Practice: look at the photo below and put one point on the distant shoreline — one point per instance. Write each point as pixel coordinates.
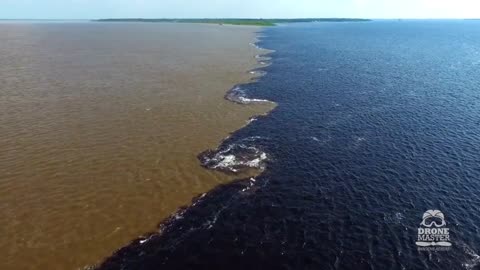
(254, 22)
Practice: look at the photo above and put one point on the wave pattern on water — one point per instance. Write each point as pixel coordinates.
(237, 94)
(234, 158)
(376, 123)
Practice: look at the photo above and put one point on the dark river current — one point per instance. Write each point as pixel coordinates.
(376, 124)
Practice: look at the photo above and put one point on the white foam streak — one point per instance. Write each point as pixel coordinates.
(236, 157)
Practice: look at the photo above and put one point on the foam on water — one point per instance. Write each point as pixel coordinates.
(263, 57)
(251, 120)
(234, 158)
(354, 158)
(258, 73)
(473, 258)
(238, 95)
(256, 46)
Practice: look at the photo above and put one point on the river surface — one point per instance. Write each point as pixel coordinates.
(100, 126)
(376, 123)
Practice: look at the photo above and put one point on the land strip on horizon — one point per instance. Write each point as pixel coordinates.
(255, 22)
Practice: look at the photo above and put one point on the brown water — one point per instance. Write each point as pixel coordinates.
(100, 125)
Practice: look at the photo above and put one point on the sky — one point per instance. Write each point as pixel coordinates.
(95, 9)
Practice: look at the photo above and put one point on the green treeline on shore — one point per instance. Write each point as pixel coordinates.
(256, 22)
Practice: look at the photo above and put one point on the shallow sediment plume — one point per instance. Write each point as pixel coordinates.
(111, 133)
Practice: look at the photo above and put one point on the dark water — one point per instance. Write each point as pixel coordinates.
(377, 123)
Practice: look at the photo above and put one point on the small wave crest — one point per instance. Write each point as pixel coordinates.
(257, 73)
(256, 46)
(473, 258)
(234, 158)
(262, 57)
(238, 95)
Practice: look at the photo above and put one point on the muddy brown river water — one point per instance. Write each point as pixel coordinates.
(100, 126)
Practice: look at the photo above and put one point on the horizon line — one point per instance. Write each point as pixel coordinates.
(227, 18)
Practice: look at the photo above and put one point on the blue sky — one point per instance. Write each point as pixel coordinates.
(91, 9)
